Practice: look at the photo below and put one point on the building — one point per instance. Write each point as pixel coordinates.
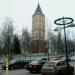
(38, 44)
(38, 24)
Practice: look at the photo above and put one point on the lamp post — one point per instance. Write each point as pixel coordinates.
(65, 22)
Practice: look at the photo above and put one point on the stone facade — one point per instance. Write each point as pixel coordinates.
(38, 24)
(38, 44)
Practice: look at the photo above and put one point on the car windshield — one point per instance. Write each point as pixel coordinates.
(49, 64)
(73, 57)
(34, 62)
(44, 59)
(12, 61)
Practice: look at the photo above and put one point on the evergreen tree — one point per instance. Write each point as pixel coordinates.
(16, 45)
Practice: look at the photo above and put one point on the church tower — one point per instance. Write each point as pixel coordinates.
(38, 24)
(38, 44)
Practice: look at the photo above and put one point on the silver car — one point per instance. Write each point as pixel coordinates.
(56, 67)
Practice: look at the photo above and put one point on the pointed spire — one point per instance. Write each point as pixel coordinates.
(38, 3)
(38, 11)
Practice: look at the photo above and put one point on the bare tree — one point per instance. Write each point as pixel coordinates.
(25, 41)
(7, 34)
(51, 40)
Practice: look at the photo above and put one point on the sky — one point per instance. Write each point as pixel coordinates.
(22, 10)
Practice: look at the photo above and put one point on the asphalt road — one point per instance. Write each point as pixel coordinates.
(20, 72)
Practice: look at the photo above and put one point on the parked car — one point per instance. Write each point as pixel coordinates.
(53, 58)
(35, 66)
(72, 58)
(64, 58)
(45, 59)
(56, 67)
(15, 64)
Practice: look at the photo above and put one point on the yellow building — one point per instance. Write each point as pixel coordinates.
(38, 24)
(38, 44)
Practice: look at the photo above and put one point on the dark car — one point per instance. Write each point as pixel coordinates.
(16, 64)
(35, 66)
(44, 59)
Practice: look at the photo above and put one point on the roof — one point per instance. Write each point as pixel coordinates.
(38, 11)
(56, 61)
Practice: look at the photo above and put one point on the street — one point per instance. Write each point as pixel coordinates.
(20, 72)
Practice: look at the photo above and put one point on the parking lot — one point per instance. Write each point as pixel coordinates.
(24, 72)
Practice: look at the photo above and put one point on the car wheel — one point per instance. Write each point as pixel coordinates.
(12, 67)
(38, 71)
(31, 71)
(71, 71)
(42, 73)
(60, 72)
(24, 66)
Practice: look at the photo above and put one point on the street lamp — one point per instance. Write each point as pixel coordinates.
(59, 28)
(66, 22)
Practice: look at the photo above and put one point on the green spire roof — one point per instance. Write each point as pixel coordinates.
(38, 11)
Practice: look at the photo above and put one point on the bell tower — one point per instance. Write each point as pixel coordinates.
(38, 24)
(38, 31)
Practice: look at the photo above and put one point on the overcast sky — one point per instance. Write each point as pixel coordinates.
(22, 10)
